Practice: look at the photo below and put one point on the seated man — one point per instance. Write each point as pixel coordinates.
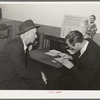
(14, 72)
(85, 73)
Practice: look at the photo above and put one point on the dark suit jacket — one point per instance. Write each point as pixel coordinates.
(12, 66)
(87, 69)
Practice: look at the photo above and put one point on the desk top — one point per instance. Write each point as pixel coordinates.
(39, 55)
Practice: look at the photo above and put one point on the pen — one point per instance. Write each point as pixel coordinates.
(68, 57)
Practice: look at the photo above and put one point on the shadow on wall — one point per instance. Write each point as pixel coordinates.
(97, 38)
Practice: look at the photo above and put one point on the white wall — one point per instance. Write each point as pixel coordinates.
(50, 13)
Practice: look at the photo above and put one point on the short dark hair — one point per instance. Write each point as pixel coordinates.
(94, 17)
(74, 37)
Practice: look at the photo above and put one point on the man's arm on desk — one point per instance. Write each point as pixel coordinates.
(68, 64)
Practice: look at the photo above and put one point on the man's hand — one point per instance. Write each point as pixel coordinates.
(44, 77)
(67, 64)
(71, 51)
(30, 48)
(68, 57)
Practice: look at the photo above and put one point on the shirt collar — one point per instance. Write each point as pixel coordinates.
(84, 48)
(25, 47)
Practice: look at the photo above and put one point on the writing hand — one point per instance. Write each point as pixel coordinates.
(68, 57)
(71, 51)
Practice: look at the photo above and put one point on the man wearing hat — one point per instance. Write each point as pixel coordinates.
(14, 73)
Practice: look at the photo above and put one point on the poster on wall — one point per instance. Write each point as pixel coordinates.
(72, 22)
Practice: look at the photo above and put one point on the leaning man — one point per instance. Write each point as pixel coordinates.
(84, 74)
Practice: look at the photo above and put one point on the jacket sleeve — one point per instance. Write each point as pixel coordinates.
(17, 57)
(86, 76)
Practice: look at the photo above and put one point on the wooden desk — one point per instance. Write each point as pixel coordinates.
(53, 71)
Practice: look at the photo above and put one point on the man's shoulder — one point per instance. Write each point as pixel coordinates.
(91, 41)
(93, 45)
(14, 43)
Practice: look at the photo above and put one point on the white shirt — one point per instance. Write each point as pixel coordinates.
(25, 47)
(84, 48)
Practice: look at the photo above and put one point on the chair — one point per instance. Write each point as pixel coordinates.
(4, 27)
(52, 42)
(5, 34)
(43, 41)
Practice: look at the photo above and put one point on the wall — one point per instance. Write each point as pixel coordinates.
(50, 14)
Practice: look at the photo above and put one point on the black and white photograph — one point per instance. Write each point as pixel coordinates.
(50, 46)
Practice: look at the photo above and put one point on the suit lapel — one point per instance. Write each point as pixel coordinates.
(20, 43)
(81, 60)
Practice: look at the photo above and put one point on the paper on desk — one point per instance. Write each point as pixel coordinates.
(51, 54)
(62, 54)
(55, 51)
(59, 60)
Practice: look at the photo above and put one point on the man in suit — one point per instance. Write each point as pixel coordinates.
(14, 71)
(85, 73)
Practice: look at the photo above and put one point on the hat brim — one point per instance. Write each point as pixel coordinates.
(36, 26)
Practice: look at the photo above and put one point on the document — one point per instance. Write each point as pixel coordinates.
(59, 60)
(53, 52)
(72, 22)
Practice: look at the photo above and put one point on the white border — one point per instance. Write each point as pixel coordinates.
(50, 94)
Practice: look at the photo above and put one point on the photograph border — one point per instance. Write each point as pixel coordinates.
(52, 94)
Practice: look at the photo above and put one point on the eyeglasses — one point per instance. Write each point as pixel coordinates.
(67, 47)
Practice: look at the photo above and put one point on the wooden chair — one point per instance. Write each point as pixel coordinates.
(52, 42)
(5, 34)
(4, 27)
